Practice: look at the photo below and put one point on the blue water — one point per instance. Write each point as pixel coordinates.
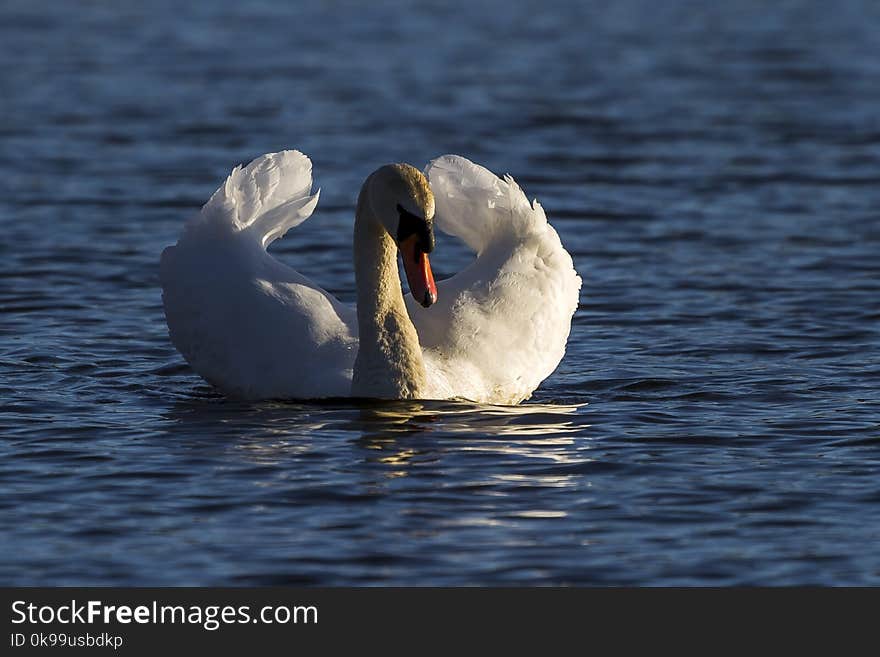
(714, 169)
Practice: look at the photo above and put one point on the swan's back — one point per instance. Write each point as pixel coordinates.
(245, 322)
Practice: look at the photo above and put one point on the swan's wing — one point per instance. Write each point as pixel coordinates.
(500, 326)
(245, 322)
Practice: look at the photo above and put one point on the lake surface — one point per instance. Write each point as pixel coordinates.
(713, 168)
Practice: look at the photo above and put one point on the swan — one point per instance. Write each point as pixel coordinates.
(256, 329)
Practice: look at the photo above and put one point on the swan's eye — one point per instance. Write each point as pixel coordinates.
(411, 224)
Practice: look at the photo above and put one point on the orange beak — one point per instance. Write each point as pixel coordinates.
(418, 271)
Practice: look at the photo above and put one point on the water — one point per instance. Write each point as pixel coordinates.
(712, 169)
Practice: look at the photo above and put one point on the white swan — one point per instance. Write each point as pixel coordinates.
(257, 329)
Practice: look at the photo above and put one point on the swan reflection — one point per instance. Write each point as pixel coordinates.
(394, 437)
(402, 433)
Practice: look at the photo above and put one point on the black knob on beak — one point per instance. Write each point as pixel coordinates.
(410, 224)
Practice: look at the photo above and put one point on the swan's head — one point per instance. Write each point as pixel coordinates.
(403, 202)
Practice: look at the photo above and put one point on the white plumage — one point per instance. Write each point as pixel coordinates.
(257, 329)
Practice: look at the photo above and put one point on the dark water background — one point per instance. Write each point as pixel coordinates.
(714, 168)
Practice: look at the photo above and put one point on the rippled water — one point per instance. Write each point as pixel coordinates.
(714, 170)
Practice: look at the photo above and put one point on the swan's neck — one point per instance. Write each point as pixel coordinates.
(389, 362)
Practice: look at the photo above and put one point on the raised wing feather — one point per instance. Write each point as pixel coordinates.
(247, 323)
(500, 326)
